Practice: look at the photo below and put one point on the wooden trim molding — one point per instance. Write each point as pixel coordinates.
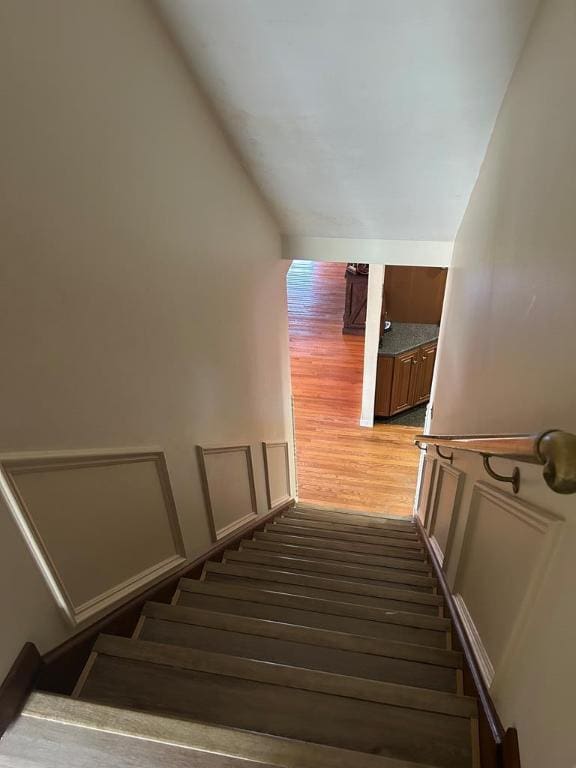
(442, 470)
(548, 527)
(498, 747)
(17, 465)
(484, 663)
(18, 683)
(63, 664)
(427, 492)
(203, 453)
(275, 503)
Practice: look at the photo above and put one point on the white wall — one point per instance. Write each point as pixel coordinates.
(506, 363)
(414, 253)
(142, 293)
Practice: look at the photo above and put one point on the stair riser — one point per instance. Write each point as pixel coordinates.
(409, 537)
(337, 556)
(300, 655)
(295, 589)
(393, 523)
(340, 535)
(330, 539)
(319, 581)
(331, 571)
(333, 621)
(411, 562)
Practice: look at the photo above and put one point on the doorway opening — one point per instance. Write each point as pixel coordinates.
(340, 463)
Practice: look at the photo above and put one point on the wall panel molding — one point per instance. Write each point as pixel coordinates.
(100, 524)
(443, 509)
(227, 474)
(277, 473)
(426, 489)
(481, 654)
(507, 547)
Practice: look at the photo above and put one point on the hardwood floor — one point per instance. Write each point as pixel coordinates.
(339, 462)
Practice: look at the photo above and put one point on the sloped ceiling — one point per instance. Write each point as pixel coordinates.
(357, 118)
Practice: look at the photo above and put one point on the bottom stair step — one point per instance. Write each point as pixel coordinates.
(395, 721)
(54, 731)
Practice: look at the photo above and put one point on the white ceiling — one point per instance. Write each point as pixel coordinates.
(357, 118)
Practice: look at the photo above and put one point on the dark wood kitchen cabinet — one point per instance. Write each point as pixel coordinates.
(425, 371)
(404, 380)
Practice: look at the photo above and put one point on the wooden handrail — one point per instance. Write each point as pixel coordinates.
(554, 449)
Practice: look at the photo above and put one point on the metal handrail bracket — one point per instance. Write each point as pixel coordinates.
(554, 449)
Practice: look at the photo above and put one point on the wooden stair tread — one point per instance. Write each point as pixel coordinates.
(307, 563)
(300, 583)
(284, 676)
(389, 521)
(281, 643)
(421, 725)
(259, 581)
(411, 562)
(311, 611)
(299, 654)
(366, 522)
(350, 526)
(324, 638)
(68, 726)
(340, 532)
(350, 542)
(338, 556)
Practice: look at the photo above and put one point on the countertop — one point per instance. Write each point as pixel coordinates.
(403, 337)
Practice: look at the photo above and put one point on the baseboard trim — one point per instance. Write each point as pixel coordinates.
(18, 683)
(480, 652)
(437, 551)
(498, 746)
(63, 664)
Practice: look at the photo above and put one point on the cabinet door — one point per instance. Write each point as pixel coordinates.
(405, 366)
(356, 298)
(425, 370)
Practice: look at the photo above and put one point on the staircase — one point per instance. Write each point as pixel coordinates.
(321, 641)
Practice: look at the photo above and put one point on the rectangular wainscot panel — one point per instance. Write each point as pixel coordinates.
(507, 547)
(100, 525)
(229, 491)
(277, 470)
(425, 492)
(443, 509)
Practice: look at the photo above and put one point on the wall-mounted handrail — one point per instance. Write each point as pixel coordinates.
(554, 449)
